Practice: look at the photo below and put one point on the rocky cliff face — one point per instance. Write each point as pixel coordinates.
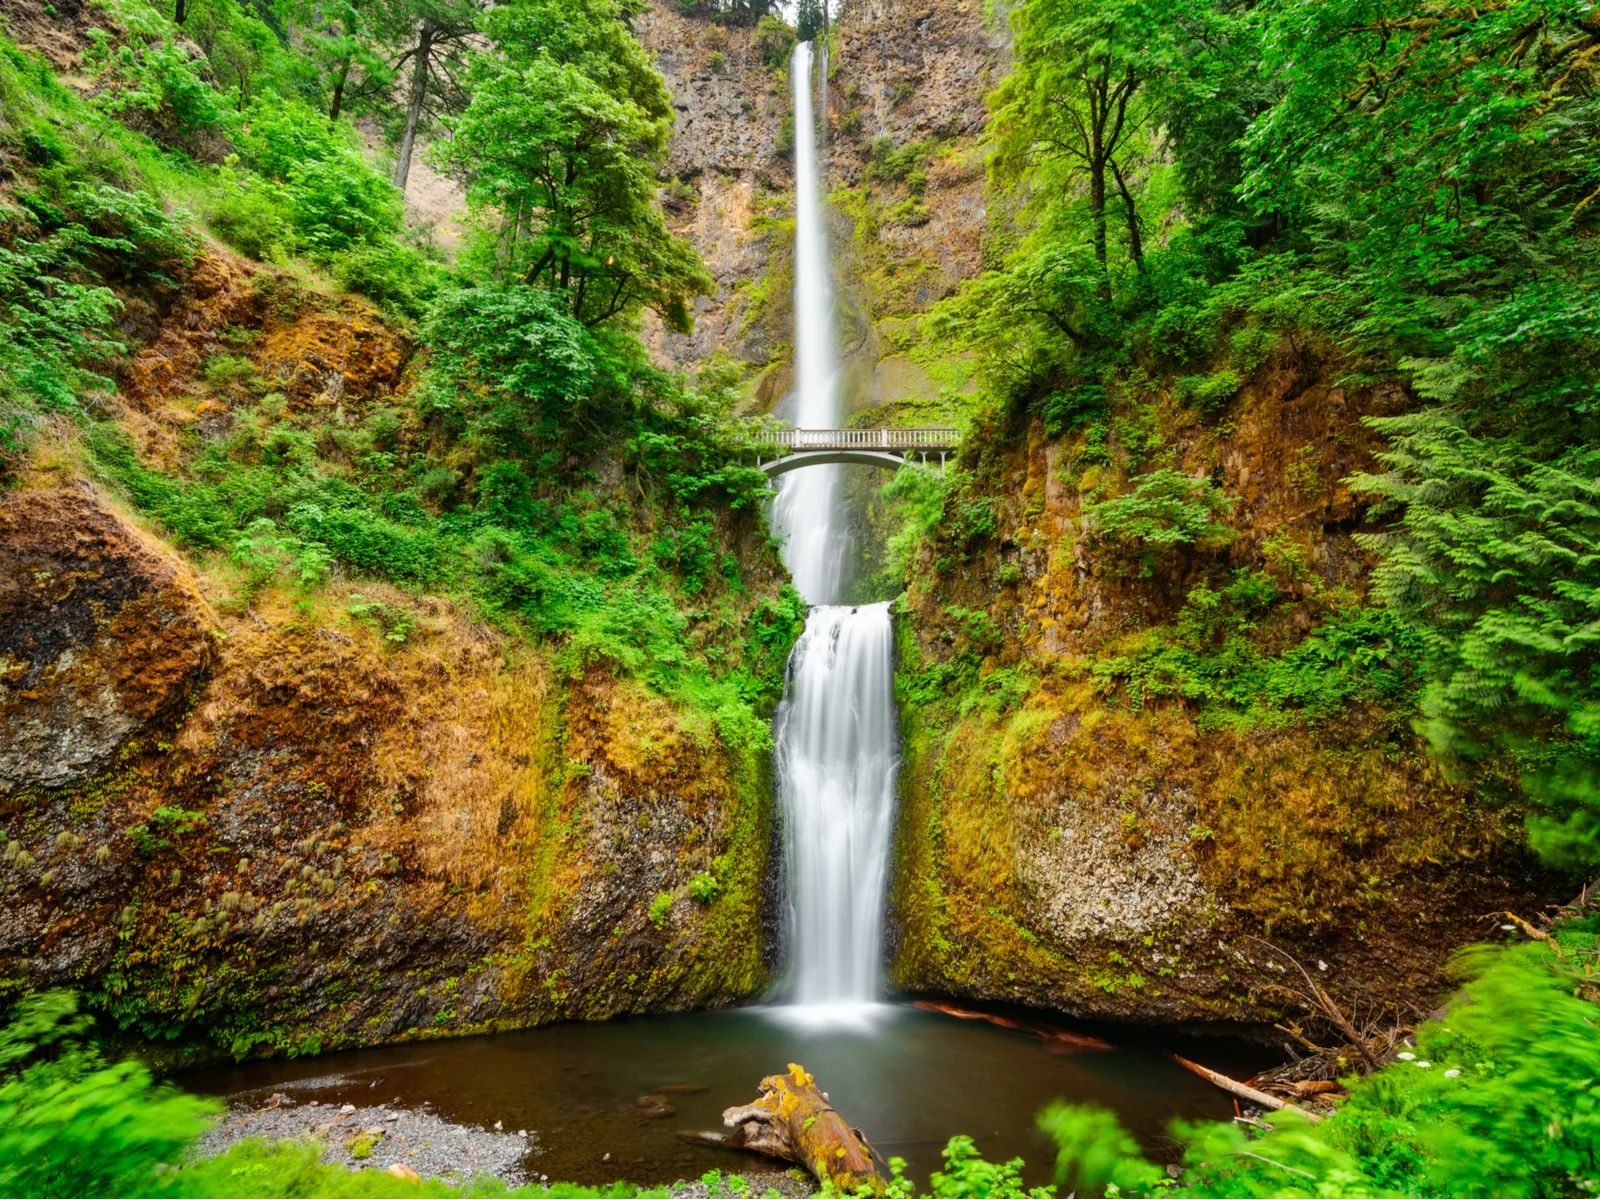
(730, 187)
(275, 833)
(1069, 840)
(247, 820)
(906, 83)
(102, 637)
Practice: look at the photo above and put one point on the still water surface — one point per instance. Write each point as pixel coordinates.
(908, 1079)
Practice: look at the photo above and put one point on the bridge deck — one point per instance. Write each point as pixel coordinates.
(860, 439)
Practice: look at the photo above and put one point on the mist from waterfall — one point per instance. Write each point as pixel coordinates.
(836, 731)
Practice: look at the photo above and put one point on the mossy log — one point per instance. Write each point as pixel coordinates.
(793, 1121)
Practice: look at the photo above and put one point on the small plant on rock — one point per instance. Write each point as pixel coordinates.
(704, 888)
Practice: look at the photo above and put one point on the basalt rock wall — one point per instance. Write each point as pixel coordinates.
(242, 821)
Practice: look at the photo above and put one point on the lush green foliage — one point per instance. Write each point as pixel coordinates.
(1165, 508)
(1408, 189)
(1212, 655)
(1499, 1098)
(480, 479)
(72, 1125)
(559, 148)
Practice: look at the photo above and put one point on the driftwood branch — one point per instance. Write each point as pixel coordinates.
(793, 1121)
(1243, 1090)
(1325, 1002)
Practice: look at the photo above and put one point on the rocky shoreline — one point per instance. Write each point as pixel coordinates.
(383, 1138)
(414, 1143)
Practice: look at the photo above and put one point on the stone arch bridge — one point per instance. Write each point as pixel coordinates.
(780, 451)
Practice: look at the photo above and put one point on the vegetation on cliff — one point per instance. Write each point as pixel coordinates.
(1193, 205)
(1269, 549)
(1402, 193)
(345, 434)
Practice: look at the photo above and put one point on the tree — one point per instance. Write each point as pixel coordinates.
(810, 20)
(1078, 105)
(346, 44)
(559, 151)
(441, 32)
(1439, 161)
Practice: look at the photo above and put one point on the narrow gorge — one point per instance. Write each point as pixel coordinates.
(558, 559)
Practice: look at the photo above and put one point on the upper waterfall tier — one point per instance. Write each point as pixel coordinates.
(805, 509)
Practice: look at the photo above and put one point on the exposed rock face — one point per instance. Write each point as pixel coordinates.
(912, 72)
(730, 175)
(102, 636)
(1084, 875)
(344, 843)
(244, 822)
(905, 74)
(1063, 846)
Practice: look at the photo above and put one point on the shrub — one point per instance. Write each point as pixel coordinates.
(1165, 508)
(395, 277)
(659, 908)
(704, 888)
(72, 1126)
(1497, 1100)
(152, 79)
(254, 222)
(513, 358)
(333, 195)
(52, 333)
(1209, 393)
(774, 41)
(42, 146)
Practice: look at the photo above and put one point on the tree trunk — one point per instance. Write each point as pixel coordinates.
(1097, 206)
(793, 1121)
(1135, 242)
(180, 9)
(338, 92)
(419, 92)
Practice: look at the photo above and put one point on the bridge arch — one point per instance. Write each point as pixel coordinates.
(774, 467)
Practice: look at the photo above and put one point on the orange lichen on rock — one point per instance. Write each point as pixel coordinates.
(333, 358)
(101, 637)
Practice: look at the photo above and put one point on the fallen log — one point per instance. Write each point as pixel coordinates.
(1060, 1041)
(1242, 1090)
(793, 1121)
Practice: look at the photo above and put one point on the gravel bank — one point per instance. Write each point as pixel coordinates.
(375, 1138)
(434, 1148)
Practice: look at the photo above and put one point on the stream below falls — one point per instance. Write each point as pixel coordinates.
(909, 1079)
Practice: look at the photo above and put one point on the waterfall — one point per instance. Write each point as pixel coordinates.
(837, 759)
(836, 729)
(804, 510)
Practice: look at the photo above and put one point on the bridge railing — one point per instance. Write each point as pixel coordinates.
(860, 439)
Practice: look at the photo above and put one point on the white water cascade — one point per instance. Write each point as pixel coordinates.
(836, 730)
(804, 509)
(837, 759)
